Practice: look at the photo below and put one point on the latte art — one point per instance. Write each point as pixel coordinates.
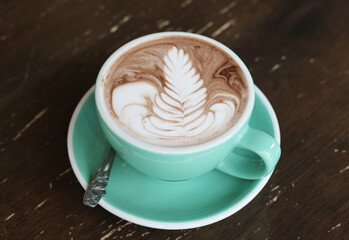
(165, 94)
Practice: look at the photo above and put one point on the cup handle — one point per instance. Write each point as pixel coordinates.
(254, 156)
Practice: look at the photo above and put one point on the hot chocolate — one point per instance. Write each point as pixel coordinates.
(175, 91)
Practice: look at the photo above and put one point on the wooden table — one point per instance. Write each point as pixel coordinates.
(297, 52)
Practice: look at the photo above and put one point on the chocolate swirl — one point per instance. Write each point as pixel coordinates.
(176, 91)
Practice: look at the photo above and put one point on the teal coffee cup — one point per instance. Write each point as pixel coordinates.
(226, 152)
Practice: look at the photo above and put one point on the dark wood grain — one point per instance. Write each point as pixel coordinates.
(297, 52)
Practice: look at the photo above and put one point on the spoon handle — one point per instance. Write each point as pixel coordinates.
(96, 189)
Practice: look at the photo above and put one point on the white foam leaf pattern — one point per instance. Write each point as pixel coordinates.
(183, 92)
(179, 110)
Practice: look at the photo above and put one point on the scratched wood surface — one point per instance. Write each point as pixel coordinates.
(297, 52)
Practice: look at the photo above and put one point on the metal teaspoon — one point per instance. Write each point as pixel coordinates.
(96, 189)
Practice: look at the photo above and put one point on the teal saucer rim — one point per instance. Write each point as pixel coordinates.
(180, 224)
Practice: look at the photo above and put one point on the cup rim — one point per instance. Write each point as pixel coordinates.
(112, 125)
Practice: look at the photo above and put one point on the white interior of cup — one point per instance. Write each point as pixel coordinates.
(111, 123)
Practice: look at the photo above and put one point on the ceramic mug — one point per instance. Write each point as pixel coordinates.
(182, 163)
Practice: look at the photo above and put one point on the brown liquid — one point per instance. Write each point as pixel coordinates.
(222, 82)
